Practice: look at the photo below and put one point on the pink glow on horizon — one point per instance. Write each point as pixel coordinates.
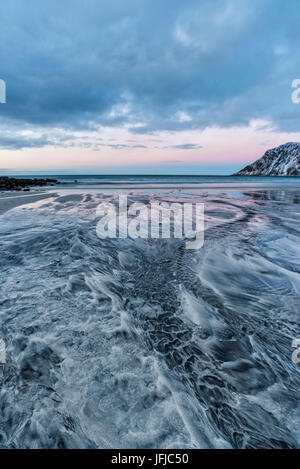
(213, 146)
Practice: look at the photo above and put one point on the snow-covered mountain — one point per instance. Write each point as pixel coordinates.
(280, 161)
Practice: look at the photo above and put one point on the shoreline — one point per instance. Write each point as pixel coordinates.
(12, 199)
(178, 186)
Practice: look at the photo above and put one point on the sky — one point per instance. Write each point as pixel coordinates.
(146, 86)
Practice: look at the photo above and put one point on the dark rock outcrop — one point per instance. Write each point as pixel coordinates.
(17, 184)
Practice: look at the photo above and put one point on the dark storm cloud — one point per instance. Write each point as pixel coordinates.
(18, 142)
(165, 65)
(14, 139)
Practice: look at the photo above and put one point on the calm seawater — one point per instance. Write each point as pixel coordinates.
(163, 179)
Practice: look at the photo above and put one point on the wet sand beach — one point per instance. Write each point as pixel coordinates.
(103, 335)
(10, 200)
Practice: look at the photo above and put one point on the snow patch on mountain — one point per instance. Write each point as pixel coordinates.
(281, 161)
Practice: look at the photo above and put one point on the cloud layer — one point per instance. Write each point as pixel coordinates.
(150, 66)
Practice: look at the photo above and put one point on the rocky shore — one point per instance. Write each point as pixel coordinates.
(16, 184)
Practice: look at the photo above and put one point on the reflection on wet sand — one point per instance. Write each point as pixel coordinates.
(142, 343)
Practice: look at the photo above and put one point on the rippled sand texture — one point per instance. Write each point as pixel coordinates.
(143, 343)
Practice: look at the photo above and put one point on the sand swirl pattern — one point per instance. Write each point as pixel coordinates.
(142, 343)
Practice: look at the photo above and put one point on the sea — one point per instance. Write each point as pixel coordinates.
(163, 179)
